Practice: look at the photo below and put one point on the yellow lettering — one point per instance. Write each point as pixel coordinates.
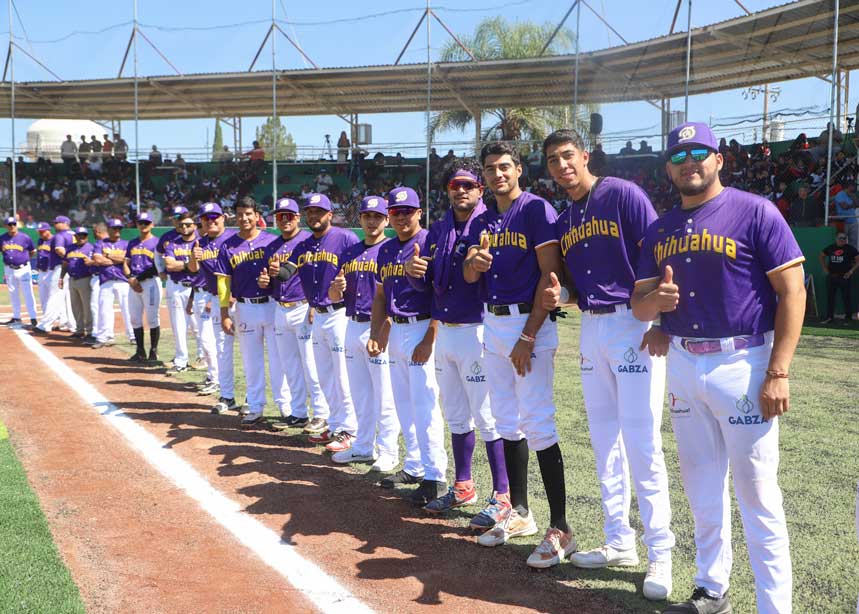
(731, 249)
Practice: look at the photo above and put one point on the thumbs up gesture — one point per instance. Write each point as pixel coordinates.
(667, 293)
(552, 294)
(482, 260)
(415, 265)
(197, 251)
(263, 280)
(273, 267)
(339, 282)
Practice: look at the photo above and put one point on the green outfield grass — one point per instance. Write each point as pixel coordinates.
(819, 470)
(32, 576)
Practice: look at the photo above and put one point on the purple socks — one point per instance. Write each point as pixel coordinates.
(463, 450)
(495, 454)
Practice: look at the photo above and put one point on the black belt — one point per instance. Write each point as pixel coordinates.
(17, 266)
(81, 277)
(330, 308)
(360, 317)
(255, 300)
(410, 319)
(187, 284)
(607, 309)
(504, 310)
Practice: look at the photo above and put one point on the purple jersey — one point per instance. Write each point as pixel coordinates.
(16, 250)
(360, 268)
(401, 297)
(141, 255)
(209, 263)
(720, 253)
(243, 261)
(280, 250)
(43, 254)
(600, 237)
(75, 260)
(514, 237)
(318, 262)
(165, 239)
(181, 250)
(64, 239)
(108, 248)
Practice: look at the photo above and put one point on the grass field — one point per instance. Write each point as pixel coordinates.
(819, 470)
(32, 576)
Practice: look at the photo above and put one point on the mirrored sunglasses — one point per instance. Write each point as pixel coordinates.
(402, 210)
(466, 185)
(698, 155)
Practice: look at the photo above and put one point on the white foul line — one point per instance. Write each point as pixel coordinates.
(305, 576)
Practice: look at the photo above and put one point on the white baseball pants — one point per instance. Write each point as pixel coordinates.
(19, 282)
(225, 348)
(44, 289)
(294, 344)
(147, 302)
(178, 299)
(329, 351)
(370, 382)
(55, 310)
(110, 291)
(95, 286)
(624, 390)
(461, 375)
(416, 399)
(255, 329)
(717, 421)
(204, 306)
(523, 407)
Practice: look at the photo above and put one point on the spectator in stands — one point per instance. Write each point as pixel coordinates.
(179, 161)
(68, 152)
(804, 209)
(84, 150)
(598, 160)
(155, 158)
(324, 181)
(106, 147)
(256, 156)
(644, 148)
(343, 146)
(839, 261)
(448, 159)
(846, 206)
(225, 155)
(120, 148)
(356, 169)
(627, 150)
(535, 162)
(95, 148)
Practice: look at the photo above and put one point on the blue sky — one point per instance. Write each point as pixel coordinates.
(82, 40)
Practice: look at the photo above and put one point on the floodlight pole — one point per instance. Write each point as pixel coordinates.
(576, 78)
(14, 187)
(834, 85)
(136, 118)
(429, 128)
(688, 61)
(274, 124)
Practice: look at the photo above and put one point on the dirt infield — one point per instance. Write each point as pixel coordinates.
(134, 542)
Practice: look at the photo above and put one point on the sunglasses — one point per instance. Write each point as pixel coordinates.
(841, 238)
(289, 215)
(454, 185)
(186, 224)
(402, 210)
(698, 155)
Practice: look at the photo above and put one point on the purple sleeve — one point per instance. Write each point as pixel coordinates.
(222, 266)
(30, 246)
(541, 221)
(639, 213)
(775, 245)
(647, 268)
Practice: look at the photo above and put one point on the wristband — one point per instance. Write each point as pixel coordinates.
(526, 337)
(777, 374)
(565, 295)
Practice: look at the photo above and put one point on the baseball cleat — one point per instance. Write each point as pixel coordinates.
(385, 463)
(12, 321)
(701, 602)
(89, 340)
(207, 387)
(174, 370)
(399, 478)
(323, 437)
(461, 493)
(657, 581)
(198, 365)
(351, 456)
(427, 492)
(605, 556)
(251, 420)
(294, 422)
(340, 442)
(137, 357)
(513, 525)
(555, 547)
(497, 508)
(39, 332)
(225, 405)
(317, 425)
(153, 356)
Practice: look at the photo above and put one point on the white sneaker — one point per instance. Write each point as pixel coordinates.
(513, 525)
(657, 582)
(351, 456)
(605, 556)
(384, 464)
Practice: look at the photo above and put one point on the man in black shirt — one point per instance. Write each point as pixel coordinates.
(839, 261)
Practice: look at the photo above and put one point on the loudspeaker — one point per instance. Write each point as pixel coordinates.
(596, 123)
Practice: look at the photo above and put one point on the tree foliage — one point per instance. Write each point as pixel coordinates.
(272, 133)
(218, 143)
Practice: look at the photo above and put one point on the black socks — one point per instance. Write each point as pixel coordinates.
(552, 471)
(516, 460)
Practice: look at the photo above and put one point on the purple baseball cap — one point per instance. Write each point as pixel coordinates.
(286, 205)
(115, 223)
(61, 219)
(80, 230)
(180, 210)
(319, 201)
(691, 133)
(374, 204)
(462, 173)
(144, 216)
(403, 197)
(11, 221)
(211, 210)
(43, 226)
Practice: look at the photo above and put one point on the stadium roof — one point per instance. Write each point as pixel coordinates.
(787, 42)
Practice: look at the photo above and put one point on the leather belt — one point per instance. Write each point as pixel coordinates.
(186, 284)
(292, 304)
(254, 300)
(457, 324)
(505, 310)
(410, 319)
(360, 317)
(608, 309)
(330, 308)
(17, 266)
(728, 344)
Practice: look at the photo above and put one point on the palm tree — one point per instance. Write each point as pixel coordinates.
(495, 39)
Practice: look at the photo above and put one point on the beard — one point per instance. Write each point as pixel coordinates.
(707, 180)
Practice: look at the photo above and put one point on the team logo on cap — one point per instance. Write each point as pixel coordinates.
(401, 196)
(207, 207)
(372, 203)
(315, 198)
(687, 133)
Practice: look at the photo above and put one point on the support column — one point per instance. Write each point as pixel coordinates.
(478, 131)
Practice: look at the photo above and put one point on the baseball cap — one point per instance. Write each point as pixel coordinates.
(285, 205)
(43, 226)
(144, 216)
(403, 197)
(211, 210)
(11, 221)
(180, 210)
(115, 223)
(841, 235)
(318, 200)
(374, 204)
(81, 230)
(691, 133)
(61, 219)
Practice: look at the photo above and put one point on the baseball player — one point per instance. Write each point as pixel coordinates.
(43, 257)
(109, 259)
(623, 385)
(725, 273)
(515, 252)
(293, 339)
(317, 259)
(460, 369)
(145, 295)
(369, 376)
(412, 336)
(55, 300)
(241, 260)
(99, 232)
(18, 248)
(204, 257)
(76, 265)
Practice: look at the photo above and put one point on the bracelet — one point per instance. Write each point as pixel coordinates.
(777, 374)
(526, 337)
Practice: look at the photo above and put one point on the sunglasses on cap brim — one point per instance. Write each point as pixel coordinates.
(698, 155)
(402, 210)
